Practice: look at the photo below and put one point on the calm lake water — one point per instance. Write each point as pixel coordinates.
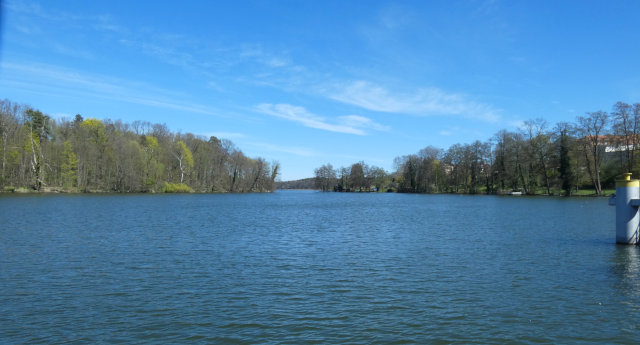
(314, 268)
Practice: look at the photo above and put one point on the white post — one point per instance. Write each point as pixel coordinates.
(627, 217)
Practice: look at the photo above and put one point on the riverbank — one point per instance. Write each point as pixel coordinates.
(58, 190)
(61, 190)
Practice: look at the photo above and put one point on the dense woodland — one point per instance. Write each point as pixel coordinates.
(90, 155)
(537, 159)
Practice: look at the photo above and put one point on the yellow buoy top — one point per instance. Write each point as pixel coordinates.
(627, 182)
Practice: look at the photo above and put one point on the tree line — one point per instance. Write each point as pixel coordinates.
(536, 159)
(92, 155)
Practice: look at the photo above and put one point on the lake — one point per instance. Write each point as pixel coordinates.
(301, 267)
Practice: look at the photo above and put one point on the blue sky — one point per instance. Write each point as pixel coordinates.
(310, 82)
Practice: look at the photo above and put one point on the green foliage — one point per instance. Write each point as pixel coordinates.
(38, 123)
(184, 157)
(97, 131)
(534, 160)
(150, 144)
(175, 188)
(360, 177)
(185, 153)
(152, 168)
(69, 166)
(110, 156)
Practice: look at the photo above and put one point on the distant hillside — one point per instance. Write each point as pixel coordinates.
(306, 183)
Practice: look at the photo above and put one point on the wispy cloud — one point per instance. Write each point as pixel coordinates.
(449, 131)
(29, 9)
(422, 102)
(396, 16)
(517, 124)
(257, 53)
(72, 52)
(227, 135)
(106, 23)
(351, 124)
(62, 116)
(33, 9)
(357, 121)
(293, 150)
(38, 76)
(204, 57)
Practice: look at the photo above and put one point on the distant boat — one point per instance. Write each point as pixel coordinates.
(515, 193)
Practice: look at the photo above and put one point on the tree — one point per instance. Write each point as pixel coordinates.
(185, 158)
(325, 178)
(626, 126)
(94, 160)
(39, 130)
(275, 171)
(407, 170)
(565, 166)
(427, 172)
(357, 178)
(343, 180)
(592, 129)
(376, 176)
(152, 168)
(38, 123)
(9, 125)
(540, 149)
(105, 155)
(69, 166)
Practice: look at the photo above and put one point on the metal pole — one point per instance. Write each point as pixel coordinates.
(627, 216)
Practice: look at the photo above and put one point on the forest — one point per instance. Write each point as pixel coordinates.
(563, 159)
(39, 153)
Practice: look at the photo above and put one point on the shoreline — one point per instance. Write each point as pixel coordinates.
(58, 190)
(54, 190)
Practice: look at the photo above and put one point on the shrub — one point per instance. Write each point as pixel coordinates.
(175, 188)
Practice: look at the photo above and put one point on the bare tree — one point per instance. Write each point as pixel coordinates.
(325, 177)
(8, 126)
(592, 129)
(540, 148)
(626, 126)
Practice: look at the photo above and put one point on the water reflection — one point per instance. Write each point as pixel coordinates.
(626, 269)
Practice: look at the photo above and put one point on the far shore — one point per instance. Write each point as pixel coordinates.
(60, 190)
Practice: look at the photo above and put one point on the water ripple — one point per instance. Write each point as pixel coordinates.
(314, 268)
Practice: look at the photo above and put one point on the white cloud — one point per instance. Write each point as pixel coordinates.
(422, 102)
(351, 124)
